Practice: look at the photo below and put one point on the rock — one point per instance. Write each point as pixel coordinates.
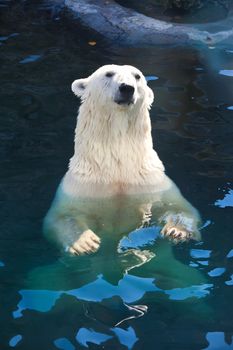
(128, 27)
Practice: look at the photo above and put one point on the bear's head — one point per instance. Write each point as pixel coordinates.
(113, 86)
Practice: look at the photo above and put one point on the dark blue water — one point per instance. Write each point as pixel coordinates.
(50, 301)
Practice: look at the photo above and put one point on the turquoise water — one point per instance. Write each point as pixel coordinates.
(51, 301)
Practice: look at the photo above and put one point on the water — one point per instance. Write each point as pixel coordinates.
(49, 301)
(189, 12)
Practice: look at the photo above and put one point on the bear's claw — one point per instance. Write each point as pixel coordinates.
(177, 234)
(87, 243)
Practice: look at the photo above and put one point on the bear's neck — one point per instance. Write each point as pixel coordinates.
(113, 147)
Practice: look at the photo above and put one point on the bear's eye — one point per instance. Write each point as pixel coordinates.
(137, 76)
(109, 74)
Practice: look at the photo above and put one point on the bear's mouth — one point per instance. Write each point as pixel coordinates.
(124, 101)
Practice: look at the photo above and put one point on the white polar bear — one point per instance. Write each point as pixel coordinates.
(116, 181)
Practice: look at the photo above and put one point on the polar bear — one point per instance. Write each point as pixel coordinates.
(115, 182)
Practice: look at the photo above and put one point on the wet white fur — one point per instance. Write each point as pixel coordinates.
(113, 143)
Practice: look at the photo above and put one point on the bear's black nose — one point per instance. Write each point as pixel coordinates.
(126, 90)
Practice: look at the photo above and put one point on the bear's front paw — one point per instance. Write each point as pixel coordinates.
(176, 233)
(87, 243)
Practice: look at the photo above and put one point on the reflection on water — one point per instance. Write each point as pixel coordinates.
(30, 58)
(15, 340)
(184, 292)
(230, 254)
(230, 282)
(63, 343)
(85, 335)
(126, 337)
(227, 201)
(227, 72)
(151, 77)
(130, 289)
(218, 340)
(218, 271)
(200, 253)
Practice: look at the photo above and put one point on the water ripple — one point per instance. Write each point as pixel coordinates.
(15, 340)
(227, 201)
(216, 341)
(227, 72)
(64, 344)
(218, 271)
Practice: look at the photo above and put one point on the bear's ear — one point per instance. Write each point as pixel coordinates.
(150, 97)
(78, 86)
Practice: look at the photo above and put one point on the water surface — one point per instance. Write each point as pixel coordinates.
(49, 301)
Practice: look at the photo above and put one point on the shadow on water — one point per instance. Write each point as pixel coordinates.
(49, 301)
